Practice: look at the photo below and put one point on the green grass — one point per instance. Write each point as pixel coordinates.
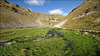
(47, 47)
(83, 45)
(8, 34)
(76, 44)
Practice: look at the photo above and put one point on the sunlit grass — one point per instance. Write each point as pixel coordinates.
(8, 34)
(76, 43)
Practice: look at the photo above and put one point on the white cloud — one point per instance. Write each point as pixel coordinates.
(57, 11)
(34, 2)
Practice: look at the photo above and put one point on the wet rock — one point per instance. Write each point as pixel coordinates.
(14, 42)
(86, 33)
(49, 35)
(26, 38)
(6, 43)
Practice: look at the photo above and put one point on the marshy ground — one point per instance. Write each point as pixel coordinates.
(48, 42)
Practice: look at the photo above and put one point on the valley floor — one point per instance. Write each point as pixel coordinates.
(48, 42)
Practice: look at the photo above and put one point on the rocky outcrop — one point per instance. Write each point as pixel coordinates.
(97, 20)
(83, 15)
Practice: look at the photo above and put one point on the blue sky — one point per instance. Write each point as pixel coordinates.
(62, 7)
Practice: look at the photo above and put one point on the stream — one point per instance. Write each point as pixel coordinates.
(49, 34)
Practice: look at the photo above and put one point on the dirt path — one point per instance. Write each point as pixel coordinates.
(63, 22)
(60, 24)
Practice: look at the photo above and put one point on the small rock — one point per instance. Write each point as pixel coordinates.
(93, 35)
(76, 33)
(86, 33)
(7, 43)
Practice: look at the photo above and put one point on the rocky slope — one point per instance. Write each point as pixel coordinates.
(16, 16)
(86, 16)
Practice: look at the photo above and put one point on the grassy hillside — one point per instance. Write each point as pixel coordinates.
(85, 16)
(13, 16)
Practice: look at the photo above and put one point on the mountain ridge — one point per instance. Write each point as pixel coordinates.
(16, 16)
(86, 16)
